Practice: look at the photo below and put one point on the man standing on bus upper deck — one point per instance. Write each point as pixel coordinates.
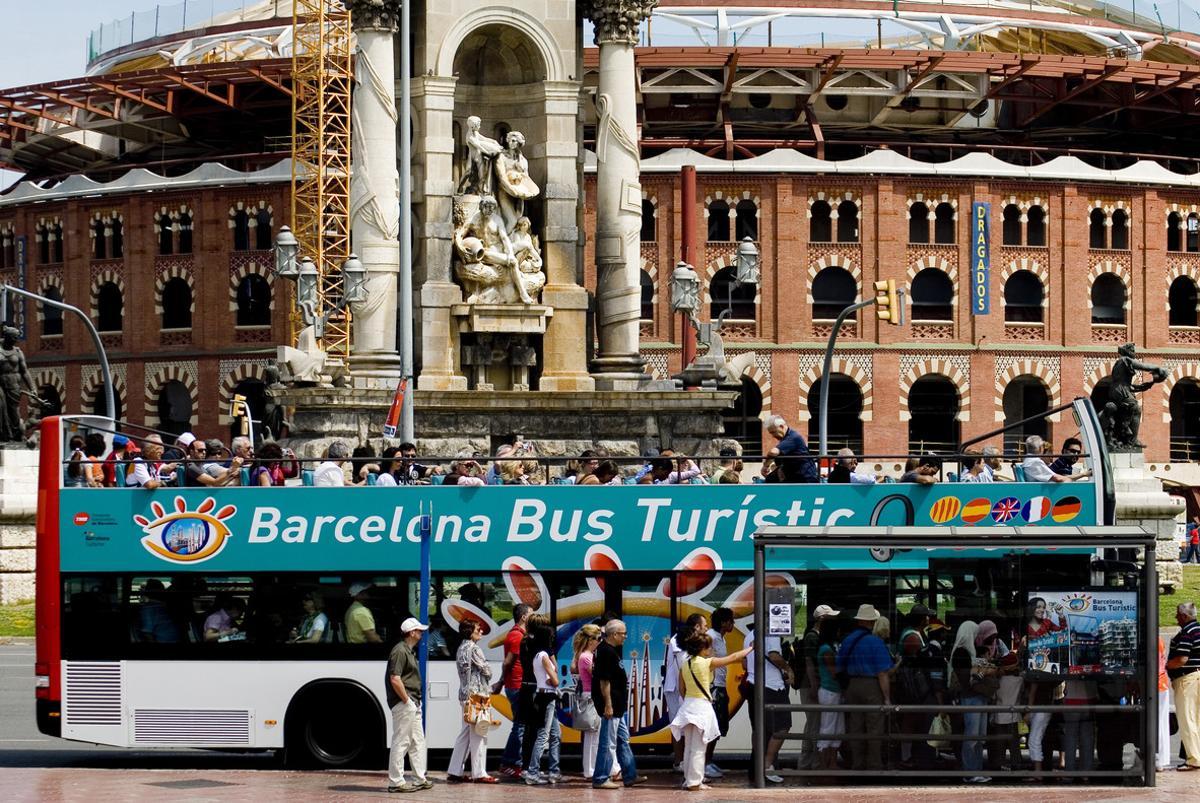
(360, 622)
(796, 465)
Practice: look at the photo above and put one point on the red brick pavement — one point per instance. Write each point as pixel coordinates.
(47, 785)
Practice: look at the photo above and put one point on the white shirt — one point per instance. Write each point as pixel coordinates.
(773, 675)
(674, 656)
(719, 650)
(329, 475)
(1036, 469)
(386, 479)
(985, 475)
(143, 473)
(540, 673)
(861, 479)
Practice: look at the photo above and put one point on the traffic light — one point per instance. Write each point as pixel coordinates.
(888, 304)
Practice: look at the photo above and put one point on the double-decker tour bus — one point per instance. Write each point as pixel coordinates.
(126, 579)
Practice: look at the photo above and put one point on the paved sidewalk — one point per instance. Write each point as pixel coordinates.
(28, 784)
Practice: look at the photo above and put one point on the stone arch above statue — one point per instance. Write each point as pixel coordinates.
(553, 66)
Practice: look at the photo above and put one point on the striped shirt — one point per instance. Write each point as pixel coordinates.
(1186, 644)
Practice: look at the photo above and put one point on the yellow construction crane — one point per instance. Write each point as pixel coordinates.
(322, 84)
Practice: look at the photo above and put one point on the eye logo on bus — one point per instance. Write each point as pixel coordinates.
(185, 536)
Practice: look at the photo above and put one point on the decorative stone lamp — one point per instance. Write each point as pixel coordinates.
(747, 262)
(685, 290)
(286, 246)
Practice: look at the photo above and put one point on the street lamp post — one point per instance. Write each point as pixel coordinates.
(307, 278)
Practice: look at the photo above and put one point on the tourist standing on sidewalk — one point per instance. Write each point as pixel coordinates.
(474, 672)
(545, 705)
(695, 724)
(586, 640)
(610, 692)
(865, 658)
(511, 675)
(1183, 665)
(404, 695)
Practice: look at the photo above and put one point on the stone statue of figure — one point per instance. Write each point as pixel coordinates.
(512, 176)
(1121, 417)
(13, 374)
(530, 276)
(487, 260)
(481, 155)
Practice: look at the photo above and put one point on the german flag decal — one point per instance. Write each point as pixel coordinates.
(1065, 509)
(976, 511)
(944, 509)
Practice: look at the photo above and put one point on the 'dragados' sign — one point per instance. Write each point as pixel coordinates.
(981, 257)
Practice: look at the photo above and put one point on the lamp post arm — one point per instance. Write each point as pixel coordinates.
(837, 325)
(105, 373)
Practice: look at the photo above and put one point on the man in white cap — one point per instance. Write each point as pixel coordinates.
(360, 622)
(404, 695)
(865, 658)
(179, 450)
(809, 683)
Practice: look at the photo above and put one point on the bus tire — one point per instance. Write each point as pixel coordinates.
(333, 724)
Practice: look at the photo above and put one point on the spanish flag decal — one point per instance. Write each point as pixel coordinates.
(976, 511)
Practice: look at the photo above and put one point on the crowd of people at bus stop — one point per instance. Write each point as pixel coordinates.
(195, 462)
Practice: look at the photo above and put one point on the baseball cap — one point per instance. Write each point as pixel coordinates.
(185, 440)
(921, 610)
(358, 588)
(824, 611)
(411, 624)
(120, 440)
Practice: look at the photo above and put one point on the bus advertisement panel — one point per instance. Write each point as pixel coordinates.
(1083, 632)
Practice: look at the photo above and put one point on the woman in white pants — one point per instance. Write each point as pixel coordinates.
(1162, 758)
(585, 643)
(474, 678)
(696, 722)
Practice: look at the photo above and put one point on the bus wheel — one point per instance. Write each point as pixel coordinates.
(333, 724)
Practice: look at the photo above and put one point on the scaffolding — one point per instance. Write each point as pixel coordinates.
(322, 82)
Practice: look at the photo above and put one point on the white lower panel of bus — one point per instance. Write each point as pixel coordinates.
(244, 703)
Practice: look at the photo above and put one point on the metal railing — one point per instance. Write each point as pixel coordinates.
(166, 19)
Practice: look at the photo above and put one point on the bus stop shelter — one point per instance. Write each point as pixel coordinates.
(784, 548)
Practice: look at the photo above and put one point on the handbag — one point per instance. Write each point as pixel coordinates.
(584, 716)
(478, 713)
(939, 728)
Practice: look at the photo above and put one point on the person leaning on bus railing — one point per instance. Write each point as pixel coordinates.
(465, 470)
(921, 470)
(150, 472)
(796, 465)
(1035, 466)
(195, 475)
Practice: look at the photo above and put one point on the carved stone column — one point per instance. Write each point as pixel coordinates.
(374, 191)
(619, 365)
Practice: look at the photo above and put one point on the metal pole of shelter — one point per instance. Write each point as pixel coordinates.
(405, 305)
(423, 615)
(1149, 593)
(105, 373)
(759, 737)
(847, 312)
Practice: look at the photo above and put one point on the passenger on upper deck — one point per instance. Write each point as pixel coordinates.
(151, 472)
(1065, 465)
(844, 471)
(194, 474)
(923, 470)
(178, 451)
(730, 470)
(329, 474)
(791, 453)
(1035, 467)
(114, 465)
(604, 474)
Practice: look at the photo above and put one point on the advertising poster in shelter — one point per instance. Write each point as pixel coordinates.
(1082, 632)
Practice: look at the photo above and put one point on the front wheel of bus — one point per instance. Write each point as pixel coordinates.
(334, 724)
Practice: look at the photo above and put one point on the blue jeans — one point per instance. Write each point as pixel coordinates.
(1079, 740)
(1191, 554)
(616, 730)
(512, 749)
(549, 734)
(973, 725)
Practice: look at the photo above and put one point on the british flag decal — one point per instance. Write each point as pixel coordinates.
(1006, 509)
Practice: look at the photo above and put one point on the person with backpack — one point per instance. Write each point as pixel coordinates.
(695, 723)
(914, 686)
(805, 670)
(864, 665)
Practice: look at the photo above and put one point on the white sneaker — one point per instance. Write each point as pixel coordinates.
(772, 777)
(713, 771)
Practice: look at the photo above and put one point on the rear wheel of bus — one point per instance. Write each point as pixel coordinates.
(333, 723)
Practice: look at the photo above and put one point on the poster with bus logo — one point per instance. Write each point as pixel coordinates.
(1082, 632)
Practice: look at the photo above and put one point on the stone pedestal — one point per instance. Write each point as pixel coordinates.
(1141, 501)
(18, 517)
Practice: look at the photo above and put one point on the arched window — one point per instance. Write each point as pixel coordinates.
(649, 222)
(747, 220)
(1185, 420)
(110, 307)
(1035, 226)
(1099, 395)
(847, 225)
(241, 230)
(166, 236)
(44, 247)
(739, 300)
(1012, 225)
(255, 393)
(116, 239)
(52, 317)
(932, 296)
(741, 420)
(647, 296)
(176, 304)
(1181, 301)
(1120, 230)
(943, 224)
(1024, 397)
(1023, 296)
(1193, 232)
(918, 223)
(1098, 230)
(718, 222)
(1174, 235)
(185, 232)
(99, 250)
(262, 230)
(845, 430)
(833, 290)
(933, 415)
(1108, 299)
(174, 408)
(253, 301)
(53, 401)
(100, 405)
(820, 225)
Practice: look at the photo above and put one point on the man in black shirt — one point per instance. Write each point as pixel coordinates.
(195, 475)
(610, 693)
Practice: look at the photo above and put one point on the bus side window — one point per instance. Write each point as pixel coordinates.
(455, 598)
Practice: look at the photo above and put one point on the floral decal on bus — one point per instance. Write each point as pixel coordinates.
(186, 536)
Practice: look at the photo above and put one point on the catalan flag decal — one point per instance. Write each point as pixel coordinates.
(944, 509)
(976, 510)
(1036, 509)
(1065, 509)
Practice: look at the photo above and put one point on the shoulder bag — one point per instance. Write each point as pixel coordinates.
(843, 676)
